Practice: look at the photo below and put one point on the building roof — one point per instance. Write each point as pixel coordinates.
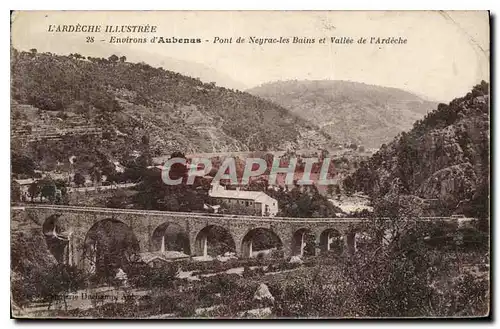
(220, 192)
(25, 181)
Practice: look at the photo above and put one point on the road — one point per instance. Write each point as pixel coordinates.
(100, 188)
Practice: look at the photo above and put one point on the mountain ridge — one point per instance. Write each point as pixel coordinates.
(348, 111)
(129, 101)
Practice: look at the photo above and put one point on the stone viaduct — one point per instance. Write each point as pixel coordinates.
(78, 221)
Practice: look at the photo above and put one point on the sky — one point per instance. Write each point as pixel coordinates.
(445, 55)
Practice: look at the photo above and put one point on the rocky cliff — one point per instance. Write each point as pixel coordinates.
(445, 157)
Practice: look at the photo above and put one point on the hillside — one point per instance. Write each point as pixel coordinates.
(126, 102)
(350, 112)
(444, 157)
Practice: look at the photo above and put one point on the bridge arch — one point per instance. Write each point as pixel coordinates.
(109, 244)
(331, 240)
(215, 240)
(260, 239)
(303, 242)
(170, 236)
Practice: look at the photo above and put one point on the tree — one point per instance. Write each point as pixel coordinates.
(330, 190)
(22, 165)
(178, 170)
(145, 140)
(15, 191)
(297, 203)
(349, 186)
(123, 59)
(118, 200)
(404, 277)
(61, 192)
(48, 189)
(16, 115)
(113, 58)
(407, 269)
(337, 191)
(54, 284)
(79, 179)
(108, 169)
(33, 190)
(96, 176)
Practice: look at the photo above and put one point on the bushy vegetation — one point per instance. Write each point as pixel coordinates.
(141, 275)
(104, 90)
(300, 202)
(36, 275)
(408, 276)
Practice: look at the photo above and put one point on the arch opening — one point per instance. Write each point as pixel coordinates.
(332, 241)
(303, 243)
(214, 240)
(261, 242)
(109, 245)
(170, 237)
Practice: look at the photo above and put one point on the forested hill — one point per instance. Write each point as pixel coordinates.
(130, 100)
(350, 112)
(445, 157)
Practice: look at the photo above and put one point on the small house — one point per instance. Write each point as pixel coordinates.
(255, 201)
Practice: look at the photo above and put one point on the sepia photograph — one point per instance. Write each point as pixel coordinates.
(250, 165)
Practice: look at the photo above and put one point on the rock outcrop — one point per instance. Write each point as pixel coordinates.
(445, 156)
(263, 293)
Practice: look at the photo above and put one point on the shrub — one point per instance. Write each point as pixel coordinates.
(222, 283)
(49, 285)
(141, 275)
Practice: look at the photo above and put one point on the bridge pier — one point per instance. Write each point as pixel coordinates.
(144, 239)
(317, 245)
(247, 248)
(302, 244)
(77, 249)
(162, 248)
(298, 244)
(287, 244)
(70, 251)
(329, 241)
(350, 243)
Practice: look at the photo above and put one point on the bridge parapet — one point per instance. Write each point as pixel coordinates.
(100, 210)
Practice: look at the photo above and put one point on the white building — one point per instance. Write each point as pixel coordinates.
(256, 201)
